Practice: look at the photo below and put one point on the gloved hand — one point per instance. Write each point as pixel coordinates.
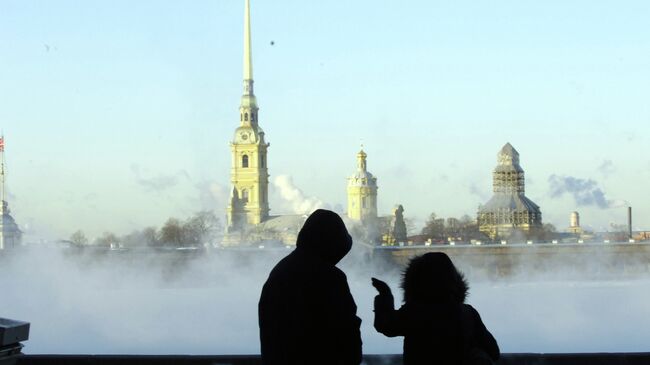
(381, 287)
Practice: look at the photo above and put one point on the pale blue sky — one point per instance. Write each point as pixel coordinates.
(117, 114)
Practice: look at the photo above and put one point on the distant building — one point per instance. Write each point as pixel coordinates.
(509, 211)
(574, 223)
(249, 174)
(10, 234)
(641, 236)
(362, 192)
(248, 221)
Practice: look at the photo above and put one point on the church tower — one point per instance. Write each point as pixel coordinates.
(249, 173)
(362, 192)
(509, 210)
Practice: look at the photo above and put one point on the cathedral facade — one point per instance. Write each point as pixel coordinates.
(248, 219)
(10, 234)
(509, 211)
(249, 175)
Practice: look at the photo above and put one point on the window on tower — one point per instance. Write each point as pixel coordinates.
(262, 161)
(245, 117)
(244, 196)
(252, 117)
(244, 161)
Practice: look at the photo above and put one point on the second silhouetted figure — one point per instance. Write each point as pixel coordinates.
(306, 312)
(437, 326)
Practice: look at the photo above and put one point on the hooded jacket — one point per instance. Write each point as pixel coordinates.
(437, 326)
(306, 312)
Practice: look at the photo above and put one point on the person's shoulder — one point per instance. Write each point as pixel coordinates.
(472, 313)
(334, 273)
(467, 308)
(330, 276)
(286, 267)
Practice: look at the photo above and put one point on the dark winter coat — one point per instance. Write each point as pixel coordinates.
(437, 327)
(306, 312)
(434, 334)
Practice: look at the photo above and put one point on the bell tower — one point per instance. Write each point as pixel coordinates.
(249, 172)
(362, 192)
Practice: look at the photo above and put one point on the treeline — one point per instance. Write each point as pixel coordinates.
(466, 229)
(200, 229)
(455, 229)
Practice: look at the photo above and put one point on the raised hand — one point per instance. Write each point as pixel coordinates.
(381, 287)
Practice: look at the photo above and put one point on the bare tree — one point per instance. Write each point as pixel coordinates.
(171, 233)
(145, 237)
(79, 238)
(202, 227)
(410, 226)
(106, 240)
(150, 236)
(434, 227)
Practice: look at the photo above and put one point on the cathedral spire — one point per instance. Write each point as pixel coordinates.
(249, 175)
(248, 57)
(248, 107)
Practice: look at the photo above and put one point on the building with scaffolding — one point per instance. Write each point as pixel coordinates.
(509, 212)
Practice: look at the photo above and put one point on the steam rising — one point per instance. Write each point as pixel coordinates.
(299, 203)
(607, 168)
(206, 303)
(158, 182)
(585, 192)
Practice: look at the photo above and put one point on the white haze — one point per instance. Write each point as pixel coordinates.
(208, 305)
(294, 197)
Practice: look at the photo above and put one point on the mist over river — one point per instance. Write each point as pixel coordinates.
(206, 303)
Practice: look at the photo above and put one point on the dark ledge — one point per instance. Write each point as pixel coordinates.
(508, 359)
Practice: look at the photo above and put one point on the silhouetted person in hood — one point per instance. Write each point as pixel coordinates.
(306, 312)
(437, 326)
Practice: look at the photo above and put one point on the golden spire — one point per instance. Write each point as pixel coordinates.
(248, 59)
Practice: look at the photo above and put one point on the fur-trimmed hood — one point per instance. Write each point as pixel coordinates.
(432, 277)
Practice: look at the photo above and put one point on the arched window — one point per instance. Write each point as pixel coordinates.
(244, 196)
(252, 117)
(244, 161)
(245, 117)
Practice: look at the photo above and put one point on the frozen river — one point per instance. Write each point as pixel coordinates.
(208, 305)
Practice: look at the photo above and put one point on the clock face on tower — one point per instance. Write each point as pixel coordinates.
(245, 135)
